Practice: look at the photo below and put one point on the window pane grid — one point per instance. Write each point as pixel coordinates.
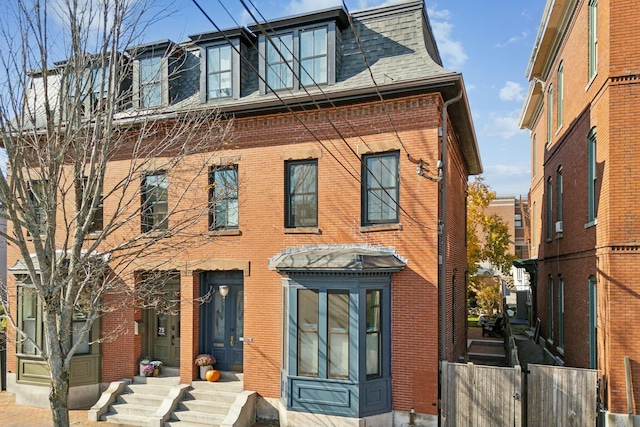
(150, 82)
(308, 316)
(302, 194)
(373, 339)
(155, 202)
(219, 73)
(313, 56)
(338, 331)
(280, 62)
(223, 198)
(381, 189)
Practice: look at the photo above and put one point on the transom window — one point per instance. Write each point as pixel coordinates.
(219, 72)
(380, 188)
(223, 198)
(313, 56)
(150, 82)
(155, 189)
(301, 188)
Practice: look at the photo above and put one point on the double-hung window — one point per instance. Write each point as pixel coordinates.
(549, 221)
(150, 80)
(549, 115)
(31, 320)
(560, 95)
(592, 176)
(313, 56)
(38, 204)
(380, 188)
(280, 61)
(593, 38)
(223, 198)
(559, 195)
(219, 71)
(301, 188)
(155, 190)
(97, 220)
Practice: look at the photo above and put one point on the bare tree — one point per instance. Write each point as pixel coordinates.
(86, 186)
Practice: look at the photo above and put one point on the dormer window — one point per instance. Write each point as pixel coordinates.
(219, 71)
(223, 74)
(304, 56)
(150, 92)
(156, 68)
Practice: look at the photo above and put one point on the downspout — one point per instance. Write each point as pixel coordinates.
(442, 227)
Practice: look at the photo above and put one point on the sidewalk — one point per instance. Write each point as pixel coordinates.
(12, 415)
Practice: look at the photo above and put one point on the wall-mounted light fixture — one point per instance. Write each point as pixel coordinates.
(224, 290)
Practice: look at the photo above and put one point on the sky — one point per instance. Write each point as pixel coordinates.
(489, 42)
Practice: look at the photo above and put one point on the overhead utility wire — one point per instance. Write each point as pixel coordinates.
(292, 111)
(373, 79)
(328, 98)
(270, 88)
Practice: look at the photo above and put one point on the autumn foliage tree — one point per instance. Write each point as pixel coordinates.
(487, 241)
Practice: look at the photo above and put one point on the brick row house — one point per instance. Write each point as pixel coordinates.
(582, 109)
(322, 255)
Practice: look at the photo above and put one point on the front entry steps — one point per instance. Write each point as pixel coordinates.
(207, 403)
(164, 402)
(140, 400)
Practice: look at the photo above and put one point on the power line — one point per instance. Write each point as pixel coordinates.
(263, 79)
(363, 165)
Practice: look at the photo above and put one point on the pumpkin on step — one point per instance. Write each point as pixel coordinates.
(213, 375)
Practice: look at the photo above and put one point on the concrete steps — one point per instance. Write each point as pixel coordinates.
(141, 399)
(207, 404)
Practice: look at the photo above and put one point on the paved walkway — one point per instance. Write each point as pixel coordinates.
(12, 415)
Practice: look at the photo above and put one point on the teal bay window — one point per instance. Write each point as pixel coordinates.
(337, 324)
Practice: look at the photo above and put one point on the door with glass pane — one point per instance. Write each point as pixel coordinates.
(222, 319)
(164, 333)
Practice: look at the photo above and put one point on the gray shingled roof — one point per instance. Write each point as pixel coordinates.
(400, 50)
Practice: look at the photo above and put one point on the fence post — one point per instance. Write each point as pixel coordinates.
(517, 396)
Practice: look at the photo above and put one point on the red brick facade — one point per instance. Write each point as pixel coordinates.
(259, 146)
(607, 248)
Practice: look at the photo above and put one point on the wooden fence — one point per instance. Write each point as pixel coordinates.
(550, 396)
(480, 396)
(558, 396)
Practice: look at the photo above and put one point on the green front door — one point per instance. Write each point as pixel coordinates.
(163, 333)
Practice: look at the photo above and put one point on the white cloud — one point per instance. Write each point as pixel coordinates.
(512, 91)
(514, 39)
(452, 51)
(503, 126)
(508, 170)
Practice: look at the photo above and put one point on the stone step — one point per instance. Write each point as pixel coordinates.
(153, 400)
(162, 380)
(212, 396)
(176, 423)
(133, 420)
(132, 409)
(221, 385)
(156, 389)
(197, 417)
(214, 407)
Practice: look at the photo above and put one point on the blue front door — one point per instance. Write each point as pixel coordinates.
(222, 319)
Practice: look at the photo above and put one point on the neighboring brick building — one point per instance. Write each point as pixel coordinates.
(342, 222)
(582, 110)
